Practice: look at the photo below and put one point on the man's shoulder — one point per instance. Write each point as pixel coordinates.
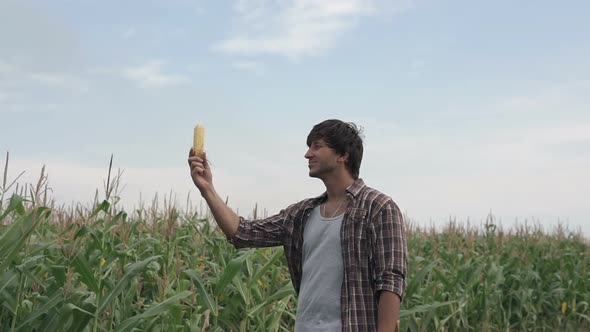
(375, 199)
(372, 194)
(303, 204)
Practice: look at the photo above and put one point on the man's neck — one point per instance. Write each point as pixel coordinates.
(336, 186)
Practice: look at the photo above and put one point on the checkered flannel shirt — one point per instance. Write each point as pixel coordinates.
(374, 249)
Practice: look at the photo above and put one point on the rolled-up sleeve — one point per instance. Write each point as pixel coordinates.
(389, 250)
(268, 232)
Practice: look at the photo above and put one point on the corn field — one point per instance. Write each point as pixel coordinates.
(161, 269)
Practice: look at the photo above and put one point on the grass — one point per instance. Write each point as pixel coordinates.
(100, 268)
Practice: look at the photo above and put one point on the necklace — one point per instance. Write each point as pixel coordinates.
(335, 211)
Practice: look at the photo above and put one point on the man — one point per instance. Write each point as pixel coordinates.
(345, 249)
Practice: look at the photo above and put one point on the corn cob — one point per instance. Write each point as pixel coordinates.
(199, 140)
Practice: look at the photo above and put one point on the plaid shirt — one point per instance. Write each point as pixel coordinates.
(374, 249)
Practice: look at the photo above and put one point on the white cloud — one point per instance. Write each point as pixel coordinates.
(6, 68)
(76, 182)
(509, 179)
(24, 107)
(73, 182)
(150, 75)
(545, 98)
(579, 132)
(66, 81)
(254, 67)
(17, 75)
(294, 28)
(20, 86)
(130, 32)
(417, 64)
(535, 170)
(530, 104)
(195, 6)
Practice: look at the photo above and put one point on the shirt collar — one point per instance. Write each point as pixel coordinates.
(353, 190)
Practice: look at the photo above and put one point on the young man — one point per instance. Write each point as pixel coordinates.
(345, 249)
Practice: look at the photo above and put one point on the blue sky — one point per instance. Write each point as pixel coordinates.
(468, 107)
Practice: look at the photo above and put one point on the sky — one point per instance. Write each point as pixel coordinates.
(468, 108)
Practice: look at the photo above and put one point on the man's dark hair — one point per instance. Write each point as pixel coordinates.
(343, 137)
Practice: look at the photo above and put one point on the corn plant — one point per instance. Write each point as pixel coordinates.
(98, 268)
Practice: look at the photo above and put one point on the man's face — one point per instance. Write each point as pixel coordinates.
(322, 159)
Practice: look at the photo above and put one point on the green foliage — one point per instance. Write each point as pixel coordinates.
(525, 280)
(101, 270)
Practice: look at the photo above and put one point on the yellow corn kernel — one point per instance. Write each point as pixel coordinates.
(199, 140)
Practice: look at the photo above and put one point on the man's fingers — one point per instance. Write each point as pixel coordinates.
(197, 170)
(197, 164)
(194, 164)
(197, 173)
(205, 161)
(195, 161)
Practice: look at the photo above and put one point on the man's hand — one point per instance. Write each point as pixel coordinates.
(203, 179)
(200, 172)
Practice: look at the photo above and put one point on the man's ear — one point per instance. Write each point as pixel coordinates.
(344, 157)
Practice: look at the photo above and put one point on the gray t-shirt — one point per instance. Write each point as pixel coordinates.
(318, 306)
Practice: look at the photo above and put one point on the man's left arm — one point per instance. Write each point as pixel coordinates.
(388, 311)
(390, 263)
